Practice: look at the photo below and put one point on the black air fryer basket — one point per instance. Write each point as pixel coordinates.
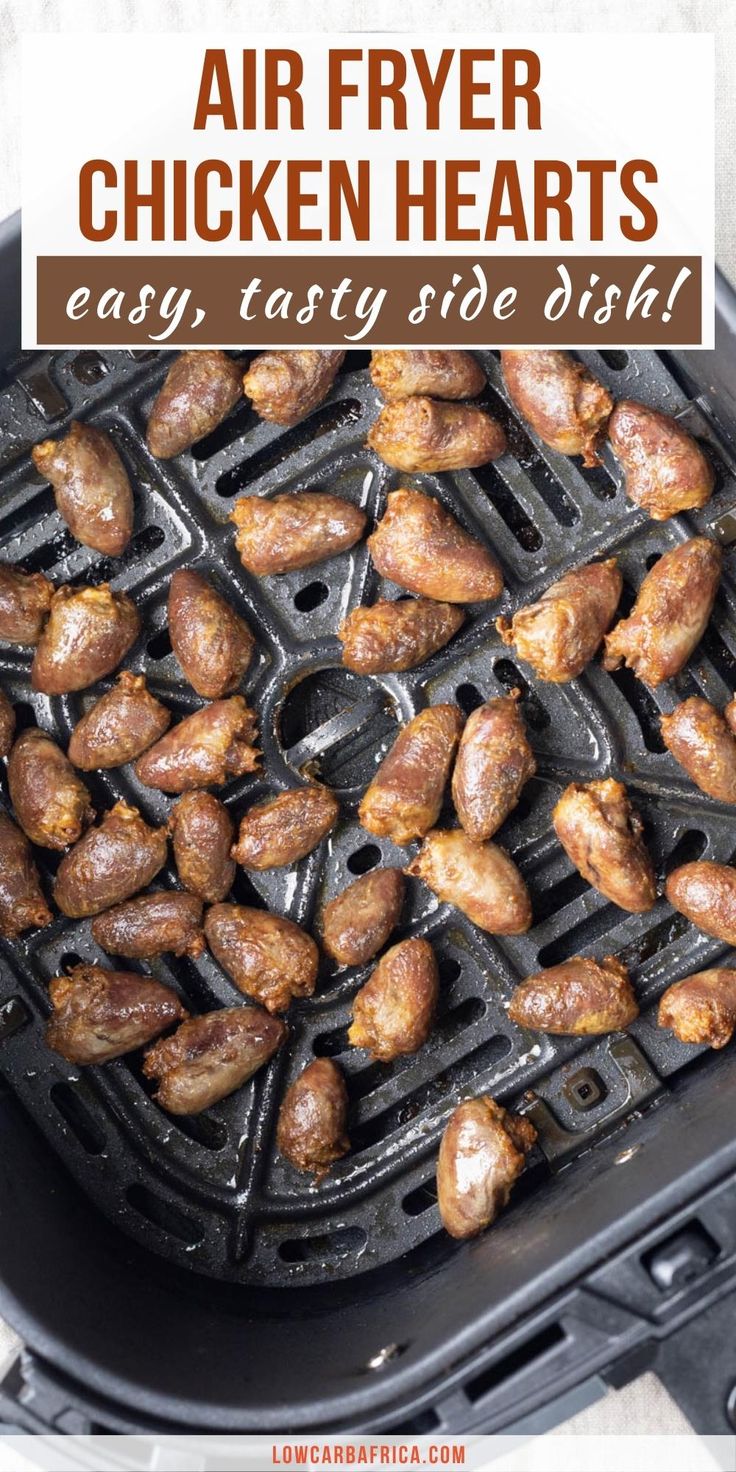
(175, 1273)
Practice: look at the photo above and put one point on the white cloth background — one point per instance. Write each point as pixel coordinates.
(643, 1407)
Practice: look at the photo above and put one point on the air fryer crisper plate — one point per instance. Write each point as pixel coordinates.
(211, 1192)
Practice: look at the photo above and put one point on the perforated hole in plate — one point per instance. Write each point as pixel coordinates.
(422, 1198)
(88, 367)
(50, 553)
(688, 848)
(720, 656)
(455, 1020)
(468, 697)
(600, 481)
(449, 969)
(197, 993)
(365, 858)
(330, 1044)
(142, 545)
(43, 392)
(532, 791)
(356, 359)
(236, 426)
(204, 1129)
(615, 358)
(555, 897)
(25, 715)
(311, 596)
(244, 891)
(13, 1016)
(160, 645)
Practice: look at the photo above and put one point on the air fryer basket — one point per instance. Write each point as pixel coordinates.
(201, 1214)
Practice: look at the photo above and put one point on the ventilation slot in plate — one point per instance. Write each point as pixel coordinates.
(509, 509)
(348, 1242)
(385, 1124)
(577, 940)
(643, 705)
(511, 678)
(468, 698)
(555, 497)
(657, 939)
(322, 422)
(77, 1116)
(164, 1215)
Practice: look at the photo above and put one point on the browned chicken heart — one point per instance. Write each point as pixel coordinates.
(482, 1154)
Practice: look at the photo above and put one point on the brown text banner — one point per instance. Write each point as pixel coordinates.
(389, 301)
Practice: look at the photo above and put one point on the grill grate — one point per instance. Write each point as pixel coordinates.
(210, 1192)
